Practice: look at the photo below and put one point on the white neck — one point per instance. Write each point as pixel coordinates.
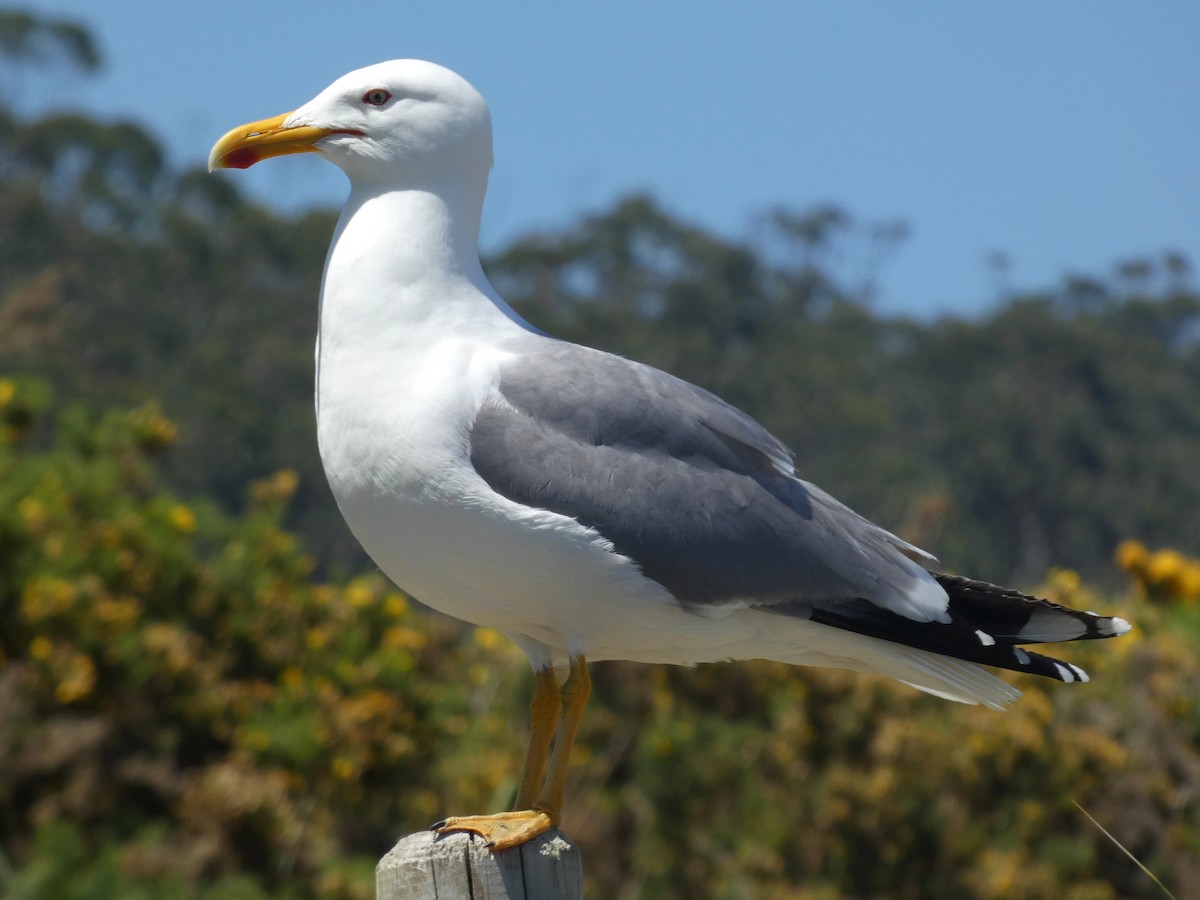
(403, 271)
(404, 308)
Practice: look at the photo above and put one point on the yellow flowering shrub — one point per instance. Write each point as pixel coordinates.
(186, 712)
(165, 660)
(1164, 574)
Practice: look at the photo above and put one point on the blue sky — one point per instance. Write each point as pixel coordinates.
(1064, 135)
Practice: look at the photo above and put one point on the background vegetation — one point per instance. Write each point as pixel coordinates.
(202, 696)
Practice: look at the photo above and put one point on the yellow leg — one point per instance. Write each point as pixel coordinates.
(543, 719)
(575, 693)
(534, 817)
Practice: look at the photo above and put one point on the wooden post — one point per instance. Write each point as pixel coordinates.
(424, 866)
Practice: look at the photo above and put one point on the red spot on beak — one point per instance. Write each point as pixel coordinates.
(242, 158)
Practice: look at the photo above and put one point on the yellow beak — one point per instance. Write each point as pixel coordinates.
(247, 144)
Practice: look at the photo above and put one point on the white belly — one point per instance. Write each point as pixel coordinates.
(399, 466)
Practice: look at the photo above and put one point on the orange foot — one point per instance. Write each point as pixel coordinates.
(501, 830)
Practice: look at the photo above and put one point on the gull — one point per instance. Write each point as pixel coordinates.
(585, 505)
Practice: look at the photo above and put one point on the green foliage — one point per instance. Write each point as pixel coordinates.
(1066, 428)
(186, 712)
(190, 706)
(180, 702)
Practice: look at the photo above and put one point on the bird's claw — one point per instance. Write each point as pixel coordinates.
(501, 830)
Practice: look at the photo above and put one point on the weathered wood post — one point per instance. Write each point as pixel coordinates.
(424, 866)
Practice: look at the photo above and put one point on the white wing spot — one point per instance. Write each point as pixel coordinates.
(1021, 655)
(1115, 627)
(1067, 675)
(984, 638)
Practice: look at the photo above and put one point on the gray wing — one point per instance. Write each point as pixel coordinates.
(699, 495)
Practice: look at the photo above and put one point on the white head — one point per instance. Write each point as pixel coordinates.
(403, 123)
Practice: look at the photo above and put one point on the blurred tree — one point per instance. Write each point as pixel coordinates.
(1058, 426)
(30, 39)
(190, 708)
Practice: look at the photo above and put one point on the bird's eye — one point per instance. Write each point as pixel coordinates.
(377, 97)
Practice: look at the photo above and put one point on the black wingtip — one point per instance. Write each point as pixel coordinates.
(1012, 617)
(1037, 664)
(987, 624)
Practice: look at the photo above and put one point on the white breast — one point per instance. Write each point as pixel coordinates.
(395, 446)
